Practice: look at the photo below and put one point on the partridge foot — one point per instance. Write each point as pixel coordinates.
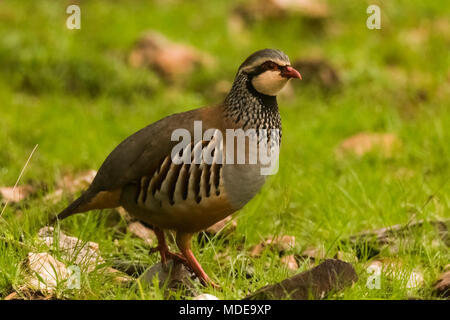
(184, 243)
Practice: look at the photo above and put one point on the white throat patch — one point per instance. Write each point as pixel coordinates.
(269, 82)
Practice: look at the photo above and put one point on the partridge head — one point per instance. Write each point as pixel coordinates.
(159, 179)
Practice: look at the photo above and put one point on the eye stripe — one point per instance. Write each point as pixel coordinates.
(266, 66)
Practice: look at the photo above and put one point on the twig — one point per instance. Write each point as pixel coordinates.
(383, 235)
(20, 176)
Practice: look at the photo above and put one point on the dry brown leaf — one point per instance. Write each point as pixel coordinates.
(290, 262)
(228, 223)
(25, 293)
(314, 253)
(124, 214)
(309, 8)
(169, 59)
(280, 244)
(71, 183)
(119, 277)
(12, 296)
(82, 180)
(15, 195)
(365, 142)
(262, 9)
(142, 232)
(442, 285)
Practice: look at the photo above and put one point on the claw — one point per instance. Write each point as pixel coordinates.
(186, 256)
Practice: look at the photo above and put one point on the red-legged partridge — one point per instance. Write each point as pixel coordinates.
(187, 187)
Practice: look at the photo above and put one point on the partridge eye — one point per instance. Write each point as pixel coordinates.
(273, 66)
(269, 65)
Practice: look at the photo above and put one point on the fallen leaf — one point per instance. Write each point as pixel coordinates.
(310, 8)
(313, 253)
(12, 296)
(169, 59)
(290, 262)
(71, 183)
(365, 142)
(142, 232)
(442, 285)
(262, 9)
(229, 223)
(119, 277)
(15, 195)
(279, 244)
(25, 293)
(81, 180)
(124, 214)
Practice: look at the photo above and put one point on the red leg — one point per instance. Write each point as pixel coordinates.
(184, 243)
(164, 249)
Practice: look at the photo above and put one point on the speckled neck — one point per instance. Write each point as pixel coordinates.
(254, 110)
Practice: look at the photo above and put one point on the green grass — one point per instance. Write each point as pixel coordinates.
(73, 93)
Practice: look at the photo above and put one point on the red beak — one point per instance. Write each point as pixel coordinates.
(290, 72)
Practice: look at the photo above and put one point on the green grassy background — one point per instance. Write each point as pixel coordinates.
(73, 93)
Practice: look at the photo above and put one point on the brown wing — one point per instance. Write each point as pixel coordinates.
(137, 156)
